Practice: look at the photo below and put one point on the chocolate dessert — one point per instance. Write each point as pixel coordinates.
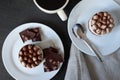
(52, 59)
(101, 23)
(30, 55)
(30, 34)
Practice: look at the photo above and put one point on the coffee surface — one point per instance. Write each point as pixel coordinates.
(51, 4)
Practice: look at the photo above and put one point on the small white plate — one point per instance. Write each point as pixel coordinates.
(13, 44)
(82, 13)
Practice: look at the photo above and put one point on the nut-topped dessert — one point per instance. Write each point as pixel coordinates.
(30, 55)
(52, 59)
(101, 23)
(30, 34)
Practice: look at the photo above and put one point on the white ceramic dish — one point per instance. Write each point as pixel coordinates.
(82, 12)
(13, 44)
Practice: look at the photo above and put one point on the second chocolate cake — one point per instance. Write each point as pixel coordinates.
(101, 23)
(52, 59)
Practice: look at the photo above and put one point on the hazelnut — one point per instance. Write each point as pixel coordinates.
(36, 63)
(25, 53)
(29, 47)
(26, 38)
(103, 26)
(23, 63)
(54, 62)
(103, 32)
(24, 49)
(25, 58)
(94, 27)
(39, 52)
(35, 48)
(111, 20)
(108, 17)
(22, 36)
(100, 14)
(95, 17)
(108, 22)
(99, 24)
(28, 66)
(33, 65)
(30, 56)
(98, 31)
(107, 30)
(99, 20)
(54, 68)
(30, 51)
(50, 60)
(104, 22)
(34, 54)
(20, 53)
(105, 13)
(34, 58)
(39, 58)
(36, 30)
(29, 61)
(58, 62)
(111, 25)
(20, 58)
(93, 22)
(47, 70)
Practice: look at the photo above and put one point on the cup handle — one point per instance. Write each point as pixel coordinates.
(62, 15)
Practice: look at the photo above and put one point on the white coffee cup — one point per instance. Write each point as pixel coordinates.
(59, 11)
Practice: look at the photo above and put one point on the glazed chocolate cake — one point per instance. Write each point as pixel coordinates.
(30, 55)
(101, 23)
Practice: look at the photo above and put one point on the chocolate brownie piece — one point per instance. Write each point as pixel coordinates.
(52, 59)
(33, 34)
(26, 35)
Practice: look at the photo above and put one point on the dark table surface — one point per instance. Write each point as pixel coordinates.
(17, 12)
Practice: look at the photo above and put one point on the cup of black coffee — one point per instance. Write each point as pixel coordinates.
(53, 6)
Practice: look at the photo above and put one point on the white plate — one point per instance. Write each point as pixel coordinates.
(82, 12)
(11, 48)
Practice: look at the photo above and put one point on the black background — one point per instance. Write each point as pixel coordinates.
(16, 12)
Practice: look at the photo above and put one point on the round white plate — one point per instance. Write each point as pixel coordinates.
(11, 48)
(82, 13)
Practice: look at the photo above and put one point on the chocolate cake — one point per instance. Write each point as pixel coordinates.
(30, 34)
(101, 23)
(52, 59)
(30, 55)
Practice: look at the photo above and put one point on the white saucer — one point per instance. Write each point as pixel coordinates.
(13, 44)
(82, 13)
